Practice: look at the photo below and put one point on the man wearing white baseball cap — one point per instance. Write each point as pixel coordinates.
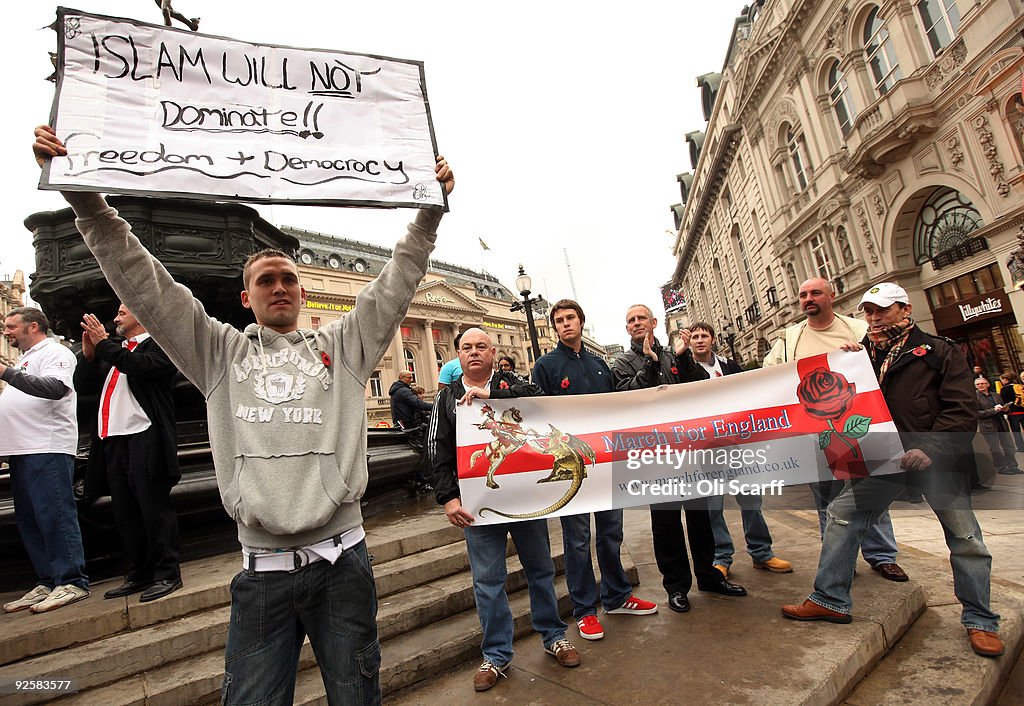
(930, 393)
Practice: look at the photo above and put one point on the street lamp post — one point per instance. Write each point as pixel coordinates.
(730, 340)
(524, 284)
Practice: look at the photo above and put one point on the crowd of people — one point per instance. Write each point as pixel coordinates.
(291, 477)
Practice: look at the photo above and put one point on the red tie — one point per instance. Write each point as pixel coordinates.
(108, 392)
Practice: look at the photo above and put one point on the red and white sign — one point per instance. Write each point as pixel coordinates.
(816, 419)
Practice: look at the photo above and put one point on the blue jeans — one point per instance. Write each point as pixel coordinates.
(271, 613)
(861, 503)
(579, 569)
(486, 547)
(47, 518)
(879, 545)
(755, 529)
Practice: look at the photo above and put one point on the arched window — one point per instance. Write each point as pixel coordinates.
(839, 96)
(410, 361)
(439, 357)
(946, 220)
(794, 146)
(881, 56)
(941, 22)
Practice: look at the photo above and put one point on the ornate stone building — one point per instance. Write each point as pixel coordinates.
(450, 299)
(12, 292)
(861, 141)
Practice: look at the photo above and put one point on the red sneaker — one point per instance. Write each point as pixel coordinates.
(634, 606)
(590, 627)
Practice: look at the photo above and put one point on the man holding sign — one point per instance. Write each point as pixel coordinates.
(928, 389)
(287, 421)
(486, 543)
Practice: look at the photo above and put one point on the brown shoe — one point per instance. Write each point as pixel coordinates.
(564, 652)
(487, 675)
(891, 571)
(809, 610)
(985, 643)
(775, 565)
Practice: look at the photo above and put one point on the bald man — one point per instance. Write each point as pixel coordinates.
(824, 331)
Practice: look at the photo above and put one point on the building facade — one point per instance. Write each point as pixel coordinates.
(861, 141)
(12, 293)
(450, 299)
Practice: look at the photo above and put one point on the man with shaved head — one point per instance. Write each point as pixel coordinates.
(824, 331)
(486, 544)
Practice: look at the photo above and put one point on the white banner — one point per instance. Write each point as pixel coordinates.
(755, 432)
(146, 109)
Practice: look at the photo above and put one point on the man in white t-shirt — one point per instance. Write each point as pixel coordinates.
(39, 440)
(824, 331)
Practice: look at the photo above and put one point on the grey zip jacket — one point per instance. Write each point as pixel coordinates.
(287, 422)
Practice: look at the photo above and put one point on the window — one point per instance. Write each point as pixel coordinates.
(941, 22)
(410, 361)
(946, 220)
(794, 145)
(986, 279)
(745, 262)
(839, 97)
(376, 389)
(821, 257)
(314, 322)
(880, 54)
(794, 283)
(439, 358)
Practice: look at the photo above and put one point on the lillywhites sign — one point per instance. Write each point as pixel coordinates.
(815, 419)
(986, 306)
(145, 109)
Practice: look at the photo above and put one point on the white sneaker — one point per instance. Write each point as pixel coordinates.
(36, 595)
(59, 597)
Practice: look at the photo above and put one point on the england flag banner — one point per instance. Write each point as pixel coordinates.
(819, 418)
(152, 110)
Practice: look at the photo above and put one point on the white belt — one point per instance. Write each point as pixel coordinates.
(293, 560)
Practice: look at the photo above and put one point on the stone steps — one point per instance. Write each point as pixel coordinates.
(170, 651)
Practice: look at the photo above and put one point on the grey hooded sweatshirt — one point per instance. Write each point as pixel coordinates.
(286, 412)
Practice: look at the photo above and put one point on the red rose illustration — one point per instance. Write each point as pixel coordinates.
(825, 394)
(565, 383)
(503, 385)
(325, 359)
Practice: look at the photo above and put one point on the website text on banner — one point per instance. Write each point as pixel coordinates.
(816, 419)
(145, 109)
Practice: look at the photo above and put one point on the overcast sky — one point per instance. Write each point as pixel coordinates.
(563, 121)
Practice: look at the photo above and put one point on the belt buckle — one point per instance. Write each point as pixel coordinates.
(301, 559)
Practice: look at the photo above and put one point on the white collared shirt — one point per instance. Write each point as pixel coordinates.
(121, 414)
(34, 425)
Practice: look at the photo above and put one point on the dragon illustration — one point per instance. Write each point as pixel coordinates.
(570, 453)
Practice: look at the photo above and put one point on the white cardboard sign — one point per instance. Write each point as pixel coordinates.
(146, 109)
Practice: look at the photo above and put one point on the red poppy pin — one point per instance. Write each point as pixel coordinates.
(565, 383)
(675, 370)
(325, 359)
(503, 385)
(921, 350)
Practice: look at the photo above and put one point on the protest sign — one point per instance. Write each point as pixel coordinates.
(820, 418)
(145, 109)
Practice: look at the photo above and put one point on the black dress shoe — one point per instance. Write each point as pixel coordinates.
(159, 590)
(127, 588)
(725, 588)
(678, 602)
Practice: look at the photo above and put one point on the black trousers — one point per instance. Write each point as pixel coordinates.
(1000, 444)
(670, 545)
(141, 498)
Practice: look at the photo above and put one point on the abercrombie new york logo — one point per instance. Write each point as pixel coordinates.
(281, 386)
